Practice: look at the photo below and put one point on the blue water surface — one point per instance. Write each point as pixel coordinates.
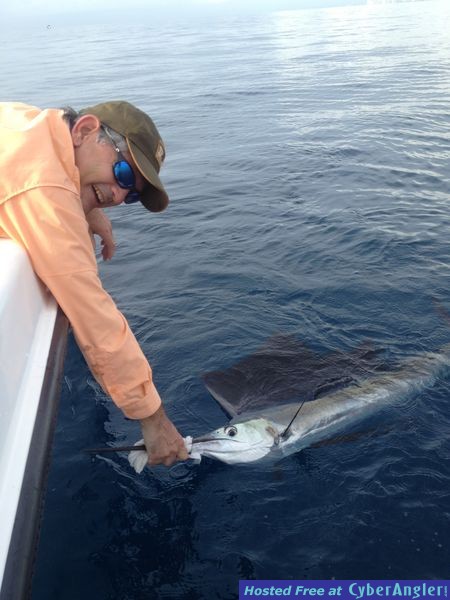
(308, 157)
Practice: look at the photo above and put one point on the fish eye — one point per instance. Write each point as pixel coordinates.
(231, 431)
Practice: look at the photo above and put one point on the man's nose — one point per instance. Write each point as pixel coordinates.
(119, 194)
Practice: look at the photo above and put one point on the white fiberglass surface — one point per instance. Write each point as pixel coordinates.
(27, 317)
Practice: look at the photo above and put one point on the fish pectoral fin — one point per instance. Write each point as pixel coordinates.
(274, 433)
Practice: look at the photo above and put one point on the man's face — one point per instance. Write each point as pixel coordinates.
(95, 160)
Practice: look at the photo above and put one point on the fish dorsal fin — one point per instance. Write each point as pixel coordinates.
(284, 370)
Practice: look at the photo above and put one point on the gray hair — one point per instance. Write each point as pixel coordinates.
(106, 134)
(71, 116)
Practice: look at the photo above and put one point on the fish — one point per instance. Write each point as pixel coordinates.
(286, 397)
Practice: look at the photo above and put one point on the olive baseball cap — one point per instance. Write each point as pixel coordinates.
(144, 143)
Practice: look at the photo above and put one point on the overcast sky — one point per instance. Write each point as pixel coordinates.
(48, 8)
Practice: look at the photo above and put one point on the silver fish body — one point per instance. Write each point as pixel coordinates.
(252, 436)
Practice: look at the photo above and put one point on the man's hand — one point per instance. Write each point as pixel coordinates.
(163, 442)
(100, 225)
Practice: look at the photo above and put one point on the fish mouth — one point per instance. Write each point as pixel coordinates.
(209, 438)
(203, 438)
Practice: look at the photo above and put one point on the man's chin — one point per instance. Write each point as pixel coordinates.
(88, 199)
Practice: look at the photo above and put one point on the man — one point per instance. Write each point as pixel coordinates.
(58, 169)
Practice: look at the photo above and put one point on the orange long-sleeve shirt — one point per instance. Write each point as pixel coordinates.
(40, 208)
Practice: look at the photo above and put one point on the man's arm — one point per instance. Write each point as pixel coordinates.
(50, 224)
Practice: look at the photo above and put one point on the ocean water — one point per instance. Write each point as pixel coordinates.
(309, 169)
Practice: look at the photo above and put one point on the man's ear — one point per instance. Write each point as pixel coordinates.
(84, 127)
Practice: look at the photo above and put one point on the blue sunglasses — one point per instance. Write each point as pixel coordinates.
(124, 174)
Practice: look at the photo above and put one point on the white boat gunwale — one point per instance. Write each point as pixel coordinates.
(33, 337)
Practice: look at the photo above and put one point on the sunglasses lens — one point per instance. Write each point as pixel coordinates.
(132, 197)
(124, 174)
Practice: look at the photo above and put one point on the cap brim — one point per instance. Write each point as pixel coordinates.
(154, 197)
